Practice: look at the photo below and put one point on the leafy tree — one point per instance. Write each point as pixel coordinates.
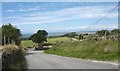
(11, 32)
(115, 32)
(39, 38)
(80, 36)
(72, 34)
(103, 32)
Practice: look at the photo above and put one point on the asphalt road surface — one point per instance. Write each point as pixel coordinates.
(39, 60)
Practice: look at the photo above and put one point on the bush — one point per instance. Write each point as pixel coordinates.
(13, 58)
(10, 48)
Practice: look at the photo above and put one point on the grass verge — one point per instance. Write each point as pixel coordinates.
(87, 49)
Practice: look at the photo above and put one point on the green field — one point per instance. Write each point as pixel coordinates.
(58, 40)
(27, 43)
(87, 49)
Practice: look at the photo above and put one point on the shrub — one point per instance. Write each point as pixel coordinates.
(10, 48)
(12, 58)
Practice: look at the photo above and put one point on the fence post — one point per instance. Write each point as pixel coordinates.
(4, 40)
(14, 42)
(8, 40)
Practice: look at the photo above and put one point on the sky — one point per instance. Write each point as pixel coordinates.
(60, 16)
(60, 0)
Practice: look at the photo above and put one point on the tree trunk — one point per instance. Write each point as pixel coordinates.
(40, 45)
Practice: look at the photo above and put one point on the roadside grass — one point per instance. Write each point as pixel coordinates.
(87, 49)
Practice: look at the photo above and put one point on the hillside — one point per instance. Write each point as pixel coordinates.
(87, 49)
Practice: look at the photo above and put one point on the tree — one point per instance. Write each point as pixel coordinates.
(11, 32)
(39, 38)
(103, 33)
(115, 32)
(80, 36)
(71, 35)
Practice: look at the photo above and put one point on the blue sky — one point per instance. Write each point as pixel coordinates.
(59, 17)
(60, 0)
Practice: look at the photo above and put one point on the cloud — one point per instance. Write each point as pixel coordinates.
(104, 27)
(67, 14)
(10, 11)
(84, 28)
(26, 10)
(11, 17)
(68, 28)
(84, 12)
(23, 10)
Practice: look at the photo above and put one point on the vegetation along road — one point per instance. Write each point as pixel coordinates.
(39, 60)
(67, 53)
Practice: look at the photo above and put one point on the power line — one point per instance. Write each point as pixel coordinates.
(104, 16)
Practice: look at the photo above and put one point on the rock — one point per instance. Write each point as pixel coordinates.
(108, 49)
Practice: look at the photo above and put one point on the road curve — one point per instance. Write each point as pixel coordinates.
(39, 60)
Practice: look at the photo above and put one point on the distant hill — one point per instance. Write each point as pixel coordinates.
(26, 35)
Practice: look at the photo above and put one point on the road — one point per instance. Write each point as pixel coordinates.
(39, 60)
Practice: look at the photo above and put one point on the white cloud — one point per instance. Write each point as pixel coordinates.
(26, 10)
(69, 28)
(12, 17)
(10, 10)
(83, 28)
(23, 10)
(104, 27)
(87, 12)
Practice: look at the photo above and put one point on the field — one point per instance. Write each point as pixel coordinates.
(27, 43)
(87, 49)
(58, 40)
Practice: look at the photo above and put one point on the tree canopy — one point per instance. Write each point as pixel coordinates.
(9, 31)
(115, 32)
(103, 32)
(80, 36)
(72, 34)
(39, 37)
